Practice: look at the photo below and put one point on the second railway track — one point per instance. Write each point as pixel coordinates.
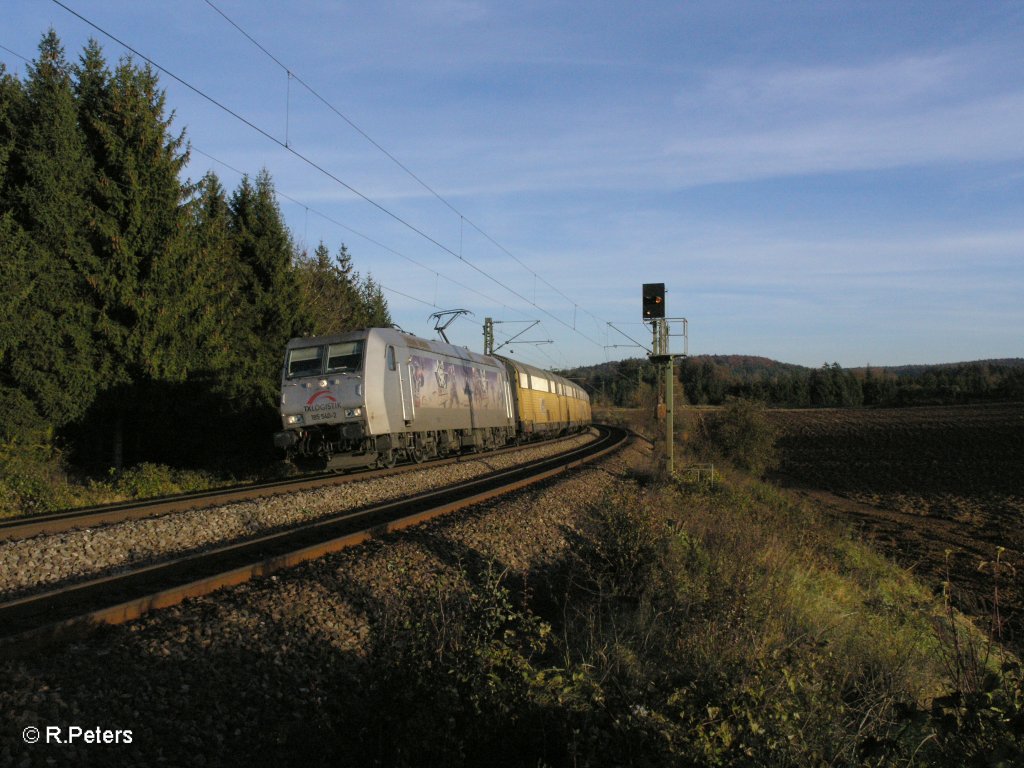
(28, 621)
(87, 517)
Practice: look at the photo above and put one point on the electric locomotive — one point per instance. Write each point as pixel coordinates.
(375, 396)
(379, 395)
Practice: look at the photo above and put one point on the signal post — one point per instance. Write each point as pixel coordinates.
(654, 313)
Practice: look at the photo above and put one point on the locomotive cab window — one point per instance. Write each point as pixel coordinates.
(345, 356)
(306, 361)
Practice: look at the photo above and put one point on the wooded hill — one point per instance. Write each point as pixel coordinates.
(713, 379)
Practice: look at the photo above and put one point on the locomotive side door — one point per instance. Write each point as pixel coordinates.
(403, 371)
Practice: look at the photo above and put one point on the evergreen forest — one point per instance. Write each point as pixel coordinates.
(143, 314)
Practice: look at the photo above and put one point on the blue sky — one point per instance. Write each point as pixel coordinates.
(814, 182)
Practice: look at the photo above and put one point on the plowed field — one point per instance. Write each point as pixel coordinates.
(921, 481)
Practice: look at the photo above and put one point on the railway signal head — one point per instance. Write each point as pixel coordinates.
(654, 300)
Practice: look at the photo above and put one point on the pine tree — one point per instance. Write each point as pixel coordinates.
(229, 340)
(347, 309)
(378, 315)
(335, 298)
(142, 270)
(17, 412)
(822, 387)
(269, 284)
(11, 104)
(48, 352)
(219, 325)
(326, 289)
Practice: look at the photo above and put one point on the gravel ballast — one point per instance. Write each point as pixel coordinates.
(263, 673)
(46, 561)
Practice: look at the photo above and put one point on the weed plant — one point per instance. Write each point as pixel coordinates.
(451, 676)
(980, 719)
(31, 479)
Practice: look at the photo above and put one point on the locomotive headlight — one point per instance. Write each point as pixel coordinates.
(294, 419)
(351, 412)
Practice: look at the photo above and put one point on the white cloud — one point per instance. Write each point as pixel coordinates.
(979, 131)
(737, 125)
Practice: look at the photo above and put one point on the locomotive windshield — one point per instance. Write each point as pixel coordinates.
(308, 361)
(343, 357)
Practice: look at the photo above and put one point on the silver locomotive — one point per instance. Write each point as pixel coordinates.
(378, 395)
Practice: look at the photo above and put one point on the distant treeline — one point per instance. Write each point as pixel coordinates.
(715, 379)
(708, 382)
(143, 316)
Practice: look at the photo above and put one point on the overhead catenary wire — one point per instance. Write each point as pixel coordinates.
(367, 238)
(278, 193)
(311, 163)
(330, 106)
(463, 218)
(387, 288)
(406, 295)
(16, 54)
(635, 342)
(266, 134)
(381, 245)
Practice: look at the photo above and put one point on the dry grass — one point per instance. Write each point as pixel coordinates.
(718, 625)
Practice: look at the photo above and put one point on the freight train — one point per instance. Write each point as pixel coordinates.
(378, 396)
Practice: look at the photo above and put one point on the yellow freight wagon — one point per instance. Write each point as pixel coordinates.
(546, 404)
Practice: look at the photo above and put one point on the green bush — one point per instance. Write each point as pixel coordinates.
(626, 554)
(147, 480)
(743, 434)
(982, 725)
(450, 676)
(31, 480)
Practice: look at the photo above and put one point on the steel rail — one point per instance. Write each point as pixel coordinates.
(33, 622)
(89, 517)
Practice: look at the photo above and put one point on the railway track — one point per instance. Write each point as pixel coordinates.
(29, 622)
(89, 517)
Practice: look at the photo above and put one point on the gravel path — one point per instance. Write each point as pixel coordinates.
(46, 561)
(269, 673)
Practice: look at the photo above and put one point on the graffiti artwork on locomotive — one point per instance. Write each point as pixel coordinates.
(379, 395)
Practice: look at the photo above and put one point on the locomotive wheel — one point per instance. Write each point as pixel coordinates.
(417, 454)
(387, 458)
